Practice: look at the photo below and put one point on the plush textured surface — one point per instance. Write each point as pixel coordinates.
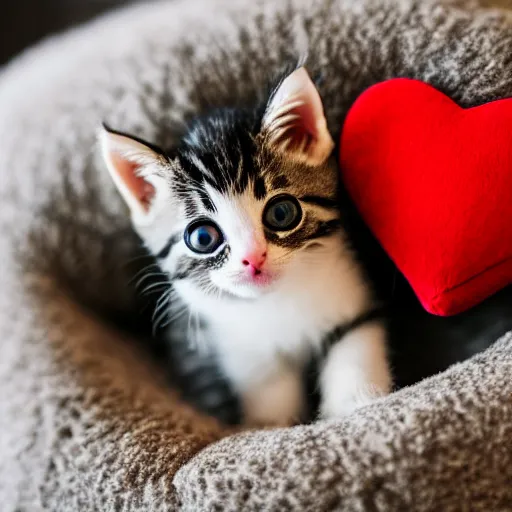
(432, 181)
(86, 422)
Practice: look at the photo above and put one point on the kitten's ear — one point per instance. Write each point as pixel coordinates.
(295, 122)
(134, 167)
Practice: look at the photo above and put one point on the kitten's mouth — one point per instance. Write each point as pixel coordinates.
(246, 286)
(259, 281)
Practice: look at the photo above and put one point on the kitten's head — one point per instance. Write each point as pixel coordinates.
(245, 203)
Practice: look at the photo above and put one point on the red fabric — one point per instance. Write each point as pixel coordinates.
(434, 183)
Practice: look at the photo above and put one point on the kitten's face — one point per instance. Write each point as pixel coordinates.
(246, 238)
(245, 204)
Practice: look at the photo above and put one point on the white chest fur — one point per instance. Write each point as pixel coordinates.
(263, 344)
(254, 337)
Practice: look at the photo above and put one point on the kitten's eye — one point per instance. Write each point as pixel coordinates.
(203, 237)
(282, 213)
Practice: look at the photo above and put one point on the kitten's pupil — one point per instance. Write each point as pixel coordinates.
(281, 212)
(203, 237)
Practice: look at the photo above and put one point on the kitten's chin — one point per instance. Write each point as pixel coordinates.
(248, 289)
(247, 292)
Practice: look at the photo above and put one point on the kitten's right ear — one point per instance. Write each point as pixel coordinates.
(135, 169)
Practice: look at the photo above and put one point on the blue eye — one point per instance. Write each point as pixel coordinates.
(203, 237)
(283, 213)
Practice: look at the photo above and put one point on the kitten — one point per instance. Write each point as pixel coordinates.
(244, 218)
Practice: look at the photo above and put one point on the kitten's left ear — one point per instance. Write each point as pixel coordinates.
(295, 121)
(135, 168)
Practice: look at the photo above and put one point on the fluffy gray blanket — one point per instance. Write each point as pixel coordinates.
(86, 421)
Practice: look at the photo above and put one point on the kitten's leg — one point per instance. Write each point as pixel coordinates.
(277, 400)
(271, 394)
(356, 371)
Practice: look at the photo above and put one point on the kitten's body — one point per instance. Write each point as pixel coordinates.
(263, 293)
(273, 338)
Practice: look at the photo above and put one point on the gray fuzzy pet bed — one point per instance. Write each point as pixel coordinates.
(87, 422)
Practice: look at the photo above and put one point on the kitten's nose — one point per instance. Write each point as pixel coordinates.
(255, 261)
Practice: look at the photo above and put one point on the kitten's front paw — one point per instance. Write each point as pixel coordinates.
(279, 401)
(356, 372)
(339, 406)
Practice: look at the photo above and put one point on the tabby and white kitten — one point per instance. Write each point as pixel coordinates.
(244, 218)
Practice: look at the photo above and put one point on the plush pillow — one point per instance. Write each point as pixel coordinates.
(433, 181)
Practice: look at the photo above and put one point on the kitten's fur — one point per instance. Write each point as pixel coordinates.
(227, 169)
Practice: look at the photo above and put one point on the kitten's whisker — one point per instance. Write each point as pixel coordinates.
(161, 284)
(164, 298)
(142, 270)
(147, 276)
(162, 302)
(152, 292)
(160, 311)
(138, 258)
(177, 314)
(158, 322)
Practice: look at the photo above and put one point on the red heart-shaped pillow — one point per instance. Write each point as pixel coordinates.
(433, 181)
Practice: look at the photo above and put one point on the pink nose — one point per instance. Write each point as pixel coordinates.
(255, 261)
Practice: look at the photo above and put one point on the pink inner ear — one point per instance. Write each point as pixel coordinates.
(307, 117)
(143, 191)
(303, 131)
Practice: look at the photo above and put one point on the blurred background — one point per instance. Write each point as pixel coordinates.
(24, 22)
